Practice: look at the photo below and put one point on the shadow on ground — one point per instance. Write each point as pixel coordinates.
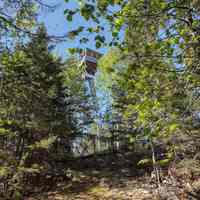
(106, 176)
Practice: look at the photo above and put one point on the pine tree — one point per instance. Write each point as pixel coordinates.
(36, 117)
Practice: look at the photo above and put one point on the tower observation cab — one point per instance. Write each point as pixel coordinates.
(90, 59)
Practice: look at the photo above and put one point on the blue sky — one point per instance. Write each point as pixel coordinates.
(57, 24)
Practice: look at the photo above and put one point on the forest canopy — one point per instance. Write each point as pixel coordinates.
(142, 97)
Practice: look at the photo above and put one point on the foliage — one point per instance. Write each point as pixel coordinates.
(38, 110)
(151, 77)
(18, 21)
(154, 80)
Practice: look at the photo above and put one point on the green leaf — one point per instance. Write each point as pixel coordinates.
(3, 131)
(164, 162)
(69, 18)
(17, 195)
(144, 161)
(173, 127)
(72, 50)
(44, 143)
(98, 44)
(4, 171)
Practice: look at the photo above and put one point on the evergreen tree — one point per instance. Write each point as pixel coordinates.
(39, 104)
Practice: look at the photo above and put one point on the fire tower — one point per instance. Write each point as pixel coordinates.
(90, 60)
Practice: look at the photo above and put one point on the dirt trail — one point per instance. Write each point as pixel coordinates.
(107, 177)
(97, 187)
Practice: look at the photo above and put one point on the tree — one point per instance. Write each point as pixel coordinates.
(38, 110)
(163, 34)
(18, 20)
(158, 80)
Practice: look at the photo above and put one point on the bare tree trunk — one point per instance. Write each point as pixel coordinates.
(155, 167)
(21, 152)
(18, 146)
(94, 144)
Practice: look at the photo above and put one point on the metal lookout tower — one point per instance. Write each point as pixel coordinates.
(90, 60)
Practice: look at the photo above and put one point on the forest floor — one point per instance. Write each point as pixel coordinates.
(95, 179)
(99, 188)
